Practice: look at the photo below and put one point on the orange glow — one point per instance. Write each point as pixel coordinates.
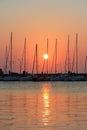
(43, 24)
(46, 96)
(49, 107)
(46, 104)
(45, 56)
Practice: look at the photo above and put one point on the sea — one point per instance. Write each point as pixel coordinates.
(43, 105)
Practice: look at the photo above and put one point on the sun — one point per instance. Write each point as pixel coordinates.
(45, 56)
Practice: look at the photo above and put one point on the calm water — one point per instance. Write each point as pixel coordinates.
(43, 106)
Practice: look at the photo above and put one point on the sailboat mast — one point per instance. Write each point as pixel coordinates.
(36, 59)
(76, 53)
(68, 55)
(73, 61)
(65, 63)
(33, 64)
(6, 59)
(47, 54)
(25, 55)
(56, 57)
(85, 65)
(11, 55)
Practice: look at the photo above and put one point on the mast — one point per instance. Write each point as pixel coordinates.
(53, 61)
(33, 64)
(36, 59)
(68, 55)
(56, 56)
(47, 54)
(25, 55)
(20, 66)
(85, 64)
(65, 68)
(73, 61)
(11, 54)
(76, 53)
(6, 60)
(43, 66)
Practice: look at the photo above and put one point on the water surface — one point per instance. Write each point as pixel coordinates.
(43, 105)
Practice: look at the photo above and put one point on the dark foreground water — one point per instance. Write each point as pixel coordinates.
(43, 105)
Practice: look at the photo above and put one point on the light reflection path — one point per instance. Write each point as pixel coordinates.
(43, 106)
(46, 102)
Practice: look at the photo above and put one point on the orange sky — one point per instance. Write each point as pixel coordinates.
(38, 20)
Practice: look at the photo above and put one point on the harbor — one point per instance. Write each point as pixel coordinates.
(68, 75)
(43, 64)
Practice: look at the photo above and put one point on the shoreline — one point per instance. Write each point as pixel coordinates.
(44, 77)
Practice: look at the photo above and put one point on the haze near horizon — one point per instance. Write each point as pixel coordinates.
(38, 20)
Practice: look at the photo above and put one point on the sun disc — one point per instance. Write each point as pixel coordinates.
(45, 56)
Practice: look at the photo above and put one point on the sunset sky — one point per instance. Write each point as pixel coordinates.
(38, 20)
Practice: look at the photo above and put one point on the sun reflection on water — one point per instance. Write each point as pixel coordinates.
(45, 108)
(46, 102)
